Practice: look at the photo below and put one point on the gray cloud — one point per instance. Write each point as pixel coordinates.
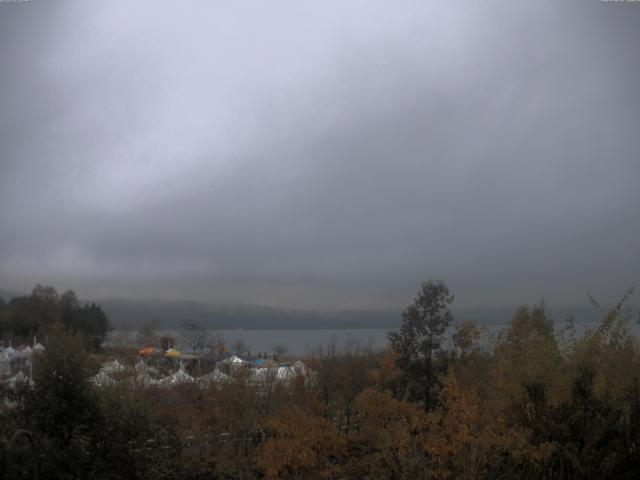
(330, 155)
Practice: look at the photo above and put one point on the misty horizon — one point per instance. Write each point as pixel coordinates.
(131, 314)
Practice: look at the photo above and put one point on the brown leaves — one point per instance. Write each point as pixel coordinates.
(301, 445)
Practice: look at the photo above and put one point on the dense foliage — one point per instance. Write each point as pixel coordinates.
(24, 317)
(532, 401)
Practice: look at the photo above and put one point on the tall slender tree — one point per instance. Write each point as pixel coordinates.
(418, 342)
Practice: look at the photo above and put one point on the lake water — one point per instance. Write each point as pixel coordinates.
(302, 342)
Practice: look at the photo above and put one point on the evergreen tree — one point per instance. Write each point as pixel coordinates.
(418, 342)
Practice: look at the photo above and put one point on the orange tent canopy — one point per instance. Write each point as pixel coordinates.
(146, 351)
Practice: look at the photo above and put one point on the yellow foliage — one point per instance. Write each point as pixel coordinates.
(387, 376)
(388, 442)
(458, 438)
(301, 445)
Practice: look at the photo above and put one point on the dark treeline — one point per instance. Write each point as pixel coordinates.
(533, 402)
(24, 317)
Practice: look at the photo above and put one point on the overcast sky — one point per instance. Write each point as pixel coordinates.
(327, 154)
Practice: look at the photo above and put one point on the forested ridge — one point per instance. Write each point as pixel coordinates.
(536, 401)
(26, 316)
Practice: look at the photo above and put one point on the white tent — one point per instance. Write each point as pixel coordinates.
(178, 378)
(285, 373)
(38, 348)
(290, 371)
(233, 360)
(102, 379)
(144, 375)
(111, 367)
(300, 368)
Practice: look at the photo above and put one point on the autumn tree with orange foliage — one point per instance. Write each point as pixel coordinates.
(389, 441)
(301, 445)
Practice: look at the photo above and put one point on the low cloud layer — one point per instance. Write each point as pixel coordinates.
(327, 156)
